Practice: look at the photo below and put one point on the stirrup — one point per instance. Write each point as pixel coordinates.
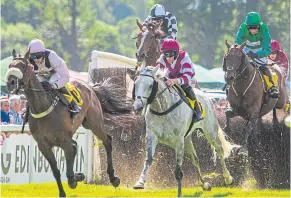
(197, 117)
(273, 92)
(74, 107)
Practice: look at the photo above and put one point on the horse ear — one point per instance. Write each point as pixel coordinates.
(139, 24)
(227, 44)
(26, 56)
(14, 53)
(242, 45)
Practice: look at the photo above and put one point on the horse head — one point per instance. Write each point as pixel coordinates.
(146, 88)
(147, 43)
(19, 72)
(234, 62)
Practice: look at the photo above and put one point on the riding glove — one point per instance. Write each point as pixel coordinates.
(252, 54)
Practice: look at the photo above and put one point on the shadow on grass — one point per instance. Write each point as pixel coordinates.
(199, 193)
(196, 194)
(222, 194)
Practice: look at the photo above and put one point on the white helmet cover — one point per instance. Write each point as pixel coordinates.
(36, 45)
(157, 11)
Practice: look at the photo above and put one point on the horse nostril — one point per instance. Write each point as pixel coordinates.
(231, 78)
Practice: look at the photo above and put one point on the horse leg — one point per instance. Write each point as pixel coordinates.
(179, 161)
(227, 177)
(151, 143)
(228, 114)
(70, 150)
(115, 181)
(49, 156)
(275, 118)
(190, 150)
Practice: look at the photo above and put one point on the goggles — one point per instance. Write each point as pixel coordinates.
(274, 52)
(37, 55)
(255, 27)
(169, 54)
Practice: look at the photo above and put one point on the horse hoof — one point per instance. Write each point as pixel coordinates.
(72, 183)
(62, 194)
(138, 185)
(229, 181)
(206, 186)
(79, 177)
(116, 182)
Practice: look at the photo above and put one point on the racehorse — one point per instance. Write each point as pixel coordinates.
(167, 121)
(148, 44)
(247, 92)
(50, 122)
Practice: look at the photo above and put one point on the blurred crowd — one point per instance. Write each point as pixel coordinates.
(12, 109)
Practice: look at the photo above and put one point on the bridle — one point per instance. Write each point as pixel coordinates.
(147, 54)
(21, 85)
(238, 74)
(154, 94)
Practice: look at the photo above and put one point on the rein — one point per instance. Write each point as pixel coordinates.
(21, 85)
(153, 95)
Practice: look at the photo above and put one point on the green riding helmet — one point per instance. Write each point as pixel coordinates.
(253, 19)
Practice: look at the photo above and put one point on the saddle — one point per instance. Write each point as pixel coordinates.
(67, 94)
(188, 101)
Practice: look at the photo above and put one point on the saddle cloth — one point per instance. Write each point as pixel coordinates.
(74, 94)
(267, 83)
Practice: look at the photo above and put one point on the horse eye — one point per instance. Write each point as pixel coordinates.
(151, 86)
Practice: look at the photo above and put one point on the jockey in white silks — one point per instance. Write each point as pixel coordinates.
(51, 69)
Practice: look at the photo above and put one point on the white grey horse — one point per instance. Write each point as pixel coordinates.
(170, 127)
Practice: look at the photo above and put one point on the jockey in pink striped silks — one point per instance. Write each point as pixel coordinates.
(179, 70)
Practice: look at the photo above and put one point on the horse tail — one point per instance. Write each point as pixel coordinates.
(226, 146)
(112, 97)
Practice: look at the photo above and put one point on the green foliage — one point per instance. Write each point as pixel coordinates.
(74, 28)
(16, 36)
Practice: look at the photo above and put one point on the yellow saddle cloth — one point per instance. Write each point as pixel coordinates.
(191, 102)
(74, 94)
(267, 80)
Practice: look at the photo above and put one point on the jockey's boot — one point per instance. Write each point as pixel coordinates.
(74, 108)
(191, 95)
(273, 91)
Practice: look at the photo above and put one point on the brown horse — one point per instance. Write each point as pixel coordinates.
(54, 126)
(246, 94)
(148, 44)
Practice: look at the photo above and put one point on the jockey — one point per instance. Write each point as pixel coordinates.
(180, 69)
(167, 21)
(51, 69)
(257, 37)
(277, 55)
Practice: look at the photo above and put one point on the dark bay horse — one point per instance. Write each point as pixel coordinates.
(246, 93)
(54, 126)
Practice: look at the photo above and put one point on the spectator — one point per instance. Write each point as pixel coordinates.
(15, 109)
(6, 118)
(23, 102)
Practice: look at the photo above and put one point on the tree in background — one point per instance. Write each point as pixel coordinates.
(73, 28)
(204, 25)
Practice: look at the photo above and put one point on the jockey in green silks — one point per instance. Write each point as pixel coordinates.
(258, 39)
